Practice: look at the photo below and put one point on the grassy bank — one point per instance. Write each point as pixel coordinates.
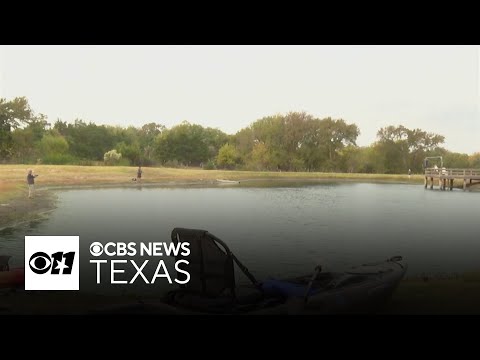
(454, 295)
(98, 175)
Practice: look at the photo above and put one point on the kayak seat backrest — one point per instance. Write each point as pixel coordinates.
(4, 259)
(210, 264)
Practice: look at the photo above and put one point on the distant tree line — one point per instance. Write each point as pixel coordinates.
(292, 142)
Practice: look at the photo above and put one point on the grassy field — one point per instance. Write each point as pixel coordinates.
(13, 177)
(82, 175)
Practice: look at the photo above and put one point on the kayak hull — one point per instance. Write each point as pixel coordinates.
(363, 289)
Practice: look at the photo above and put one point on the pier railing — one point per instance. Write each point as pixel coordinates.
(460, 173)
(444, 175)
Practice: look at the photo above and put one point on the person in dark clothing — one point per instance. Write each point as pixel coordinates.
(31, 183)
(139, 173)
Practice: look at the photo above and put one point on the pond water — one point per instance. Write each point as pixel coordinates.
(277, 231)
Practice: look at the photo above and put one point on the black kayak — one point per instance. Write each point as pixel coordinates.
(212, 288)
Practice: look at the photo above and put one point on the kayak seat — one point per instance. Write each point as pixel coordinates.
(212, 281)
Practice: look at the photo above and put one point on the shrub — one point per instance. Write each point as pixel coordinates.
(112, 157)
(210, 165)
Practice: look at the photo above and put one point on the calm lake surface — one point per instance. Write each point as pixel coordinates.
(277, 231)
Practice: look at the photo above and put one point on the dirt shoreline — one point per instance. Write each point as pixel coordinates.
(16, 208)
(19, 209)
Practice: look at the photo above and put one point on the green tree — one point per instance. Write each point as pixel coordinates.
(26, 140)
(188, 144)
(53, 144)
(336, 135)
(61, 127)
(13, 114)
(227, 156)
(214, 139)
(148, 133)
(456, 160)
(244, 141)
(54, 149)
(295, 141)
(404, 149)
(130, 151)
(90, 141)
(259, 158)
(474, 160)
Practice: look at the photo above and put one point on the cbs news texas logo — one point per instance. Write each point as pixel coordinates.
(52, 263)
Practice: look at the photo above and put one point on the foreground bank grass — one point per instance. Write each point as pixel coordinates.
(83, 175)
(453, 295)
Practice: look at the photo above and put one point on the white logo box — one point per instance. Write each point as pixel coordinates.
(61, 246)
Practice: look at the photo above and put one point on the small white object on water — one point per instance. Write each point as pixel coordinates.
(228, 181)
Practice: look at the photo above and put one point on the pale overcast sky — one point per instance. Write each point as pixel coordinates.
(435, 88)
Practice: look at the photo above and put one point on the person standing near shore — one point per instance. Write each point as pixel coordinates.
(139, 174)
(31, 183)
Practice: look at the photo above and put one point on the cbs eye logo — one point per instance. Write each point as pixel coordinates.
(96, 249)
(57, 263)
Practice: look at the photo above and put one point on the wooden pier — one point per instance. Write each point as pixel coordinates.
(444, 175)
